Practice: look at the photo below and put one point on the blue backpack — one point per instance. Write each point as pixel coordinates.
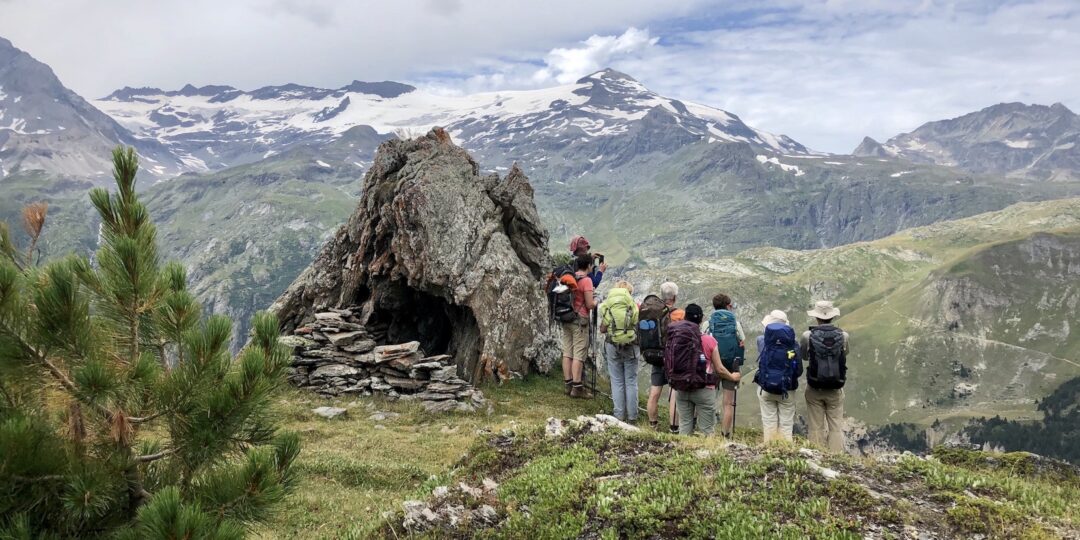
(722, 328)
(779, 367)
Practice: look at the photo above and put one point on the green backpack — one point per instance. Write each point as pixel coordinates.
(620, 314)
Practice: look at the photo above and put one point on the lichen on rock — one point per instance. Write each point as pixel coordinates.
(437, 253)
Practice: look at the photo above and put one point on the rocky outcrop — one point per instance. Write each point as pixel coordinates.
(335, 356)
(436, 253)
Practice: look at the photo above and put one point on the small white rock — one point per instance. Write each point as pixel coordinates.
(829, 474)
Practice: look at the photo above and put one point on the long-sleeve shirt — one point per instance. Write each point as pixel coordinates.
(596, 276)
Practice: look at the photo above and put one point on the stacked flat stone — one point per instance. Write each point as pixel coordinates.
(334, 355)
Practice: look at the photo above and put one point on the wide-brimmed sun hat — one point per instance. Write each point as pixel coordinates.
(824, 310)
(776, 316)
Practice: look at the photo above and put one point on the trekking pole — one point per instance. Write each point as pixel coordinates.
(591, 357)
(734, 407)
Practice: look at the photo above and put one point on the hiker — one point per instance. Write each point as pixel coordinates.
(575, 329)
(779, 369)
(825, 348)
(579, 246)
(655, 315)
(692, 364)
(725, 328)
(618, 322)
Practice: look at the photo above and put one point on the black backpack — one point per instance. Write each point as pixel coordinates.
(828, 361)
(561, 304)
(653, 319)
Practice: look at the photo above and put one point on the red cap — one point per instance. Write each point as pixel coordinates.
(578, 242)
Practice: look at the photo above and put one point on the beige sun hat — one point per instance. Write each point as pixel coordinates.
(774, 317)
(824, 310)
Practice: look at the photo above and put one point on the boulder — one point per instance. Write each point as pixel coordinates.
(438, 254)
(329, 412)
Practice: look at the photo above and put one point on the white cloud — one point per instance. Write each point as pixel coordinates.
(826, 72)
(567, 65)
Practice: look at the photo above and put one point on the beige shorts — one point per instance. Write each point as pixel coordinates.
(575, 340)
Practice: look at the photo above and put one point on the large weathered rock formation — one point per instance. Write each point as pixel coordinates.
(438, 254)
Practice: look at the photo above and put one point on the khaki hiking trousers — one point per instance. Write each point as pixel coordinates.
(825, 418)
(777, 415)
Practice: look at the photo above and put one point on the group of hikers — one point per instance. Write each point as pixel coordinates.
(700, 359)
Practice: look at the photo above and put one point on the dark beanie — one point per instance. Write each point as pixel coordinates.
(694, 314)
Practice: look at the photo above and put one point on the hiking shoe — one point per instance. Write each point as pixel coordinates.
(568, 385)
(655, 425)
(674, 429)
(580, 392)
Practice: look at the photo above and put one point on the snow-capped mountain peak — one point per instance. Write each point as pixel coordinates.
(212, 127)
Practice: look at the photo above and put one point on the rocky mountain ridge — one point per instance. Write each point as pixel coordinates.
(45, 126)
(1035, 142)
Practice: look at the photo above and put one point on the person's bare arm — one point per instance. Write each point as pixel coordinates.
(719, 369)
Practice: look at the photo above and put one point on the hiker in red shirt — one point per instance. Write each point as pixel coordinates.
(575, 334)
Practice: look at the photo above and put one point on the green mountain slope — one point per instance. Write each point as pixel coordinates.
(957, 319)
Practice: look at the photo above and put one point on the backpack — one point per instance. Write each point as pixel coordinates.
(828, 361)
(685, 364)
(561, 300)
(653, 319)
(722, 328)
(778, 360)
(620, 315)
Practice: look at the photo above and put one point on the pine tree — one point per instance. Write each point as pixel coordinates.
(122, 411)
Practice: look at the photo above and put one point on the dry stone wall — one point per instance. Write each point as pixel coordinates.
(334, 355)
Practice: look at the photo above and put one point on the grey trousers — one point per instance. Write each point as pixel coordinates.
(622, 363)
(696, 408)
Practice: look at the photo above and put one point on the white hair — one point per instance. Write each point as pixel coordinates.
(668, 291)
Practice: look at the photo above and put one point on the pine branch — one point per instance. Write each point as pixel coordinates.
(154, 457)
(144, 419)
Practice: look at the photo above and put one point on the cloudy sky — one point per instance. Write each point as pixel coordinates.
(825, 72)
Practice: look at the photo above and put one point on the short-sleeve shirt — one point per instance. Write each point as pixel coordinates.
(584, 287)
(708, 345)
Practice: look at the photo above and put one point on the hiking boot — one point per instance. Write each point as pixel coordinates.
(568, 385)
(655, 425)
(580, 392)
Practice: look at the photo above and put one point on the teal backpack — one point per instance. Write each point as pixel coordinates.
(722, 328)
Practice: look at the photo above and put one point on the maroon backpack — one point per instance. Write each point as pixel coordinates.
(684, 360)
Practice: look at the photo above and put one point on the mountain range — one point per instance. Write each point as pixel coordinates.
(1029, 142)
(46, 126)
(246, 186)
